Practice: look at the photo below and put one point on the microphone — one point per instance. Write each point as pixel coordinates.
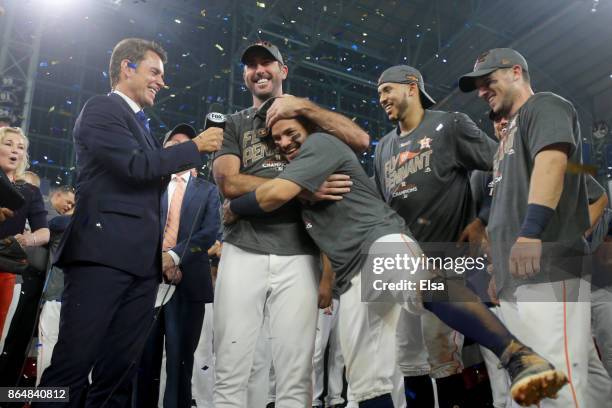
(215, 118)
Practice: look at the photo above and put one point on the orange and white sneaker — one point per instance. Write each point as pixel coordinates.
(533, 377)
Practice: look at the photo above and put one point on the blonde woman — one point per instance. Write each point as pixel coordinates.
(14, 162)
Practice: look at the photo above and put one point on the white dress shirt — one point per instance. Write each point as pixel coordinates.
(171, 187)
(165, 291)
(135, 107)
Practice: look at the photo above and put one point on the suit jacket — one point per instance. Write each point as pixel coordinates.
(119, 185)
(54, 285)
(200, 212)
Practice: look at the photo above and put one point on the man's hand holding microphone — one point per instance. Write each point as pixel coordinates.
(211, 139)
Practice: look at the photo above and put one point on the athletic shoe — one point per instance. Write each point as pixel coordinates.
(533, 377)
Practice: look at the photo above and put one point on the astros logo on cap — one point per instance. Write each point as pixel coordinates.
(481, 58)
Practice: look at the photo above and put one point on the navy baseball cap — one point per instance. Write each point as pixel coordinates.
(262, 47)
(490, 61)
(183, 128)
(404, 74)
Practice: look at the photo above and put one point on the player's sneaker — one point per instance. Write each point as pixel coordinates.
(533, 377)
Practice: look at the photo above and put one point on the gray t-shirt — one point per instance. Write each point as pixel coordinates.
(480, 183)
(344, 230)
(545, 119)
(280, 232)
(594, 189)
(424, 175)
(602, 270)
(602, 274)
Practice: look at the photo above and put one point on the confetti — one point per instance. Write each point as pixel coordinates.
(423, 221)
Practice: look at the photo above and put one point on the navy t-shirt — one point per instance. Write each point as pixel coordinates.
(32, 211)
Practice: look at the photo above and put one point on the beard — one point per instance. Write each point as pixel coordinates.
(402, 108)
(263, 94)
(505, 106)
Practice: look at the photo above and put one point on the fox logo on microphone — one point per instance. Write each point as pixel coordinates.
(215, 119)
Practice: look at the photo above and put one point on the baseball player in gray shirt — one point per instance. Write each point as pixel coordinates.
(538, 217)
(269, 265)
(345, 231)
(421, 170)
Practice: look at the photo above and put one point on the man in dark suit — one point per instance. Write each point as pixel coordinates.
(182, 310)
(111, 249)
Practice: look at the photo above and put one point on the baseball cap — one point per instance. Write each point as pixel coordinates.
(183, 128)
(490, 61)
(404, 74)
(264, 47)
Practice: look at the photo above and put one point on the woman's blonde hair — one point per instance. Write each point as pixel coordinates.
(25, 163)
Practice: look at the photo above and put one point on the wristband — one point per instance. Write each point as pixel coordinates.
(537, 218)
(246, 205)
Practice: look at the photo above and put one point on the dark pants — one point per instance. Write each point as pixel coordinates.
(105, 317)
(21, 329)
(181, 322)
